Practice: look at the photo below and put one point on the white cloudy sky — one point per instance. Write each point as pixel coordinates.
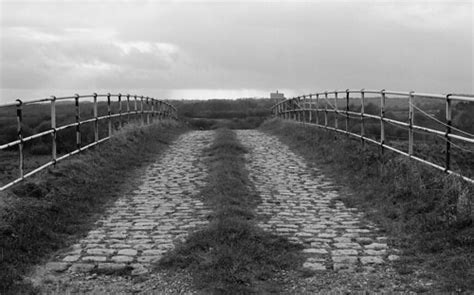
(206, 49)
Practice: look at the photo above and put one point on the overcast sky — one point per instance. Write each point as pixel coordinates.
(228, 49)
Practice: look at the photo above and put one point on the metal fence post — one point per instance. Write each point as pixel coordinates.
(19, 119)
(347, 111)
(109, 113)
(304, 108)
(128, 108)
(382, 116)
(288, 110)
(141, 110)
(411, 122)
(147, 111)
(326, 110)
(152, 109)
(53, 128)
(120, 109)
(336, 114)
(78, 122)
(136, 107)
(448, 131)
(317, 108)
(297, 109)
(310, 107)
(96, 116)
(295, 112)
(362, 110)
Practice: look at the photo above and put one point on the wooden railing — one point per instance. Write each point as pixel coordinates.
(121, 110)
(319, 109)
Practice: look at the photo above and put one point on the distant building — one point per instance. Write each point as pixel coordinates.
(277, 95)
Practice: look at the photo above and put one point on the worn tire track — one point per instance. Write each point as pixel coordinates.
(343, 249)
(137, 229)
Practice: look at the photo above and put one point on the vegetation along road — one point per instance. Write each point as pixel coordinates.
(230, 211)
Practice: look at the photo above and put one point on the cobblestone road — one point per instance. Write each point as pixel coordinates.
(302, 205)
(142, 225)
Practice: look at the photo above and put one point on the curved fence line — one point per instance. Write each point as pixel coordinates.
(315, 109)
(123, 108)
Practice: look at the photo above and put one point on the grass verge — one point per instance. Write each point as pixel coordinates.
(232, 255)
(421, 208)
(50, 210)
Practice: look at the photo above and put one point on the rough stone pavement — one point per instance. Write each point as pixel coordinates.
(142, 225)
(302, 205)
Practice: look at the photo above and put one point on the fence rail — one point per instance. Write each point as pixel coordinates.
(315, 109)
(142, 108)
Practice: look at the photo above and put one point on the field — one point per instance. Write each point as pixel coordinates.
(43, 214)
(426, 213)
(233, 114)
(417, 205)
(36, 119)
(427, 113)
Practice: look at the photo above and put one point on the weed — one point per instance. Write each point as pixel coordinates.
(232, 255)
(56, 206)
(416, 204)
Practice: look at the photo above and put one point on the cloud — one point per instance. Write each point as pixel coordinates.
(238, 46)
(78, 56)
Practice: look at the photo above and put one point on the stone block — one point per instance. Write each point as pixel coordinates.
(314, 266)
(127, 252)
(122, 259)
(371, 260)
(71, 258)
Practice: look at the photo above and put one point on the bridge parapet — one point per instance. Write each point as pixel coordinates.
(324, 110)
(109, 111)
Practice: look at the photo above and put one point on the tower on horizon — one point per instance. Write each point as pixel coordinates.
(277, 95)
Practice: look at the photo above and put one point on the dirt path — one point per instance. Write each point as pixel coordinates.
(137, 230)
(344, 252)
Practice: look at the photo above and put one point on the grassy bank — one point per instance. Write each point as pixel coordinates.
(50, 210)
(232, 255)
(417, 205)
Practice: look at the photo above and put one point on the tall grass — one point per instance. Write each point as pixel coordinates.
(232, 255)
(428, 214)
(42, 214)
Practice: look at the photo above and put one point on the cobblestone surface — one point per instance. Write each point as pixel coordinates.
(302, 205)
(143, 224)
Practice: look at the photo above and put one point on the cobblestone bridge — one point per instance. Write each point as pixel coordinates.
(298, 202)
